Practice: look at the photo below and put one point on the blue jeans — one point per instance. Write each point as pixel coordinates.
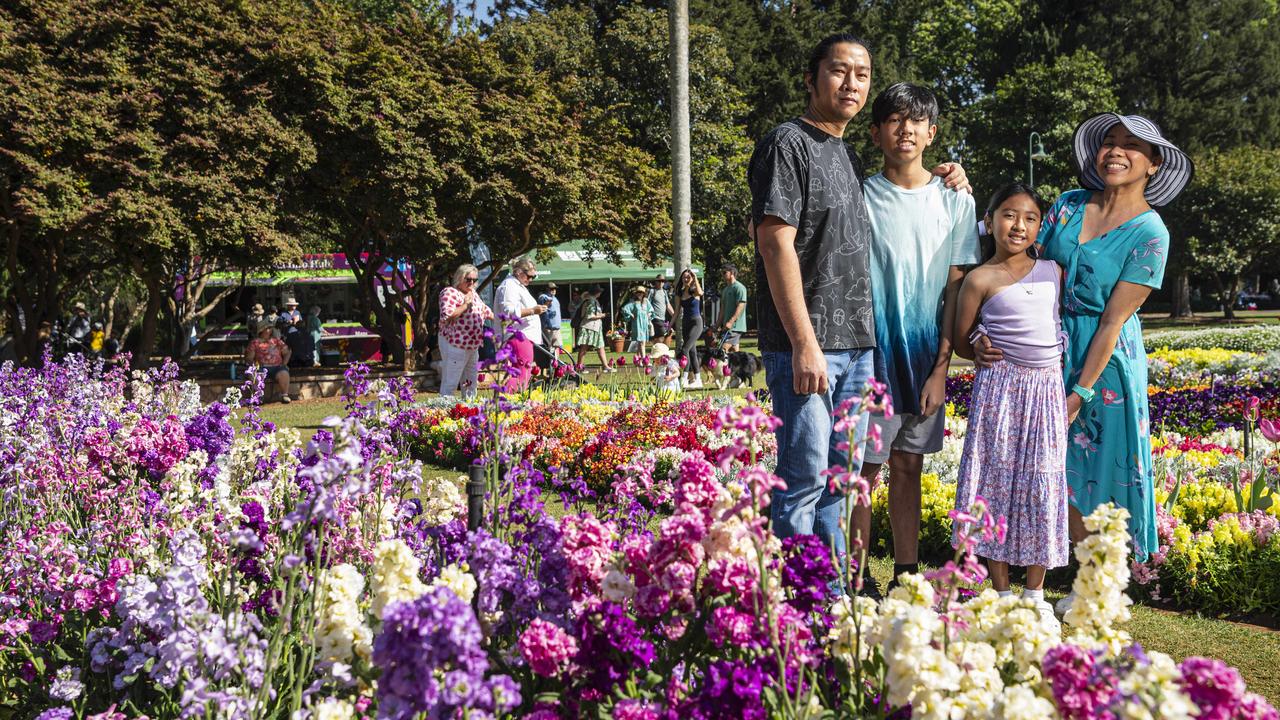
(807, 444)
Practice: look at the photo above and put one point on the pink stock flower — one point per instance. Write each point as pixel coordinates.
(547, 648)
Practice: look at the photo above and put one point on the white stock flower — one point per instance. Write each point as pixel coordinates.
(334, 709)
(457, 579)
(1101, 605)
(1019, 702)
(441, 498)
(617, 587)
(1153, 691)
(340, 628)
(394, 575)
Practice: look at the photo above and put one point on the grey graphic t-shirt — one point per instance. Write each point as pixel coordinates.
(813, 182)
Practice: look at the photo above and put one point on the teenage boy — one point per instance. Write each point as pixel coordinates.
(812, 265)
(923, 236)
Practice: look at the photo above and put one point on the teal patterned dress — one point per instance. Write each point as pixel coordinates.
(1109, 448)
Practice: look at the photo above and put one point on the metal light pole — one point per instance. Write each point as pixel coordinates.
(1037, 153)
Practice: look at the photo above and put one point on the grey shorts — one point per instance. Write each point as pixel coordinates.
(907, 433)
(731, 338)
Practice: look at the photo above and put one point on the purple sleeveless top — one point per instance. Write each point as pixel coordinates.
(1023, 321)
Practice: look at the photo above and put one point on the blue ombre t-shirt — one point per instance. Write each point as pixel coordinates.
(917, 235)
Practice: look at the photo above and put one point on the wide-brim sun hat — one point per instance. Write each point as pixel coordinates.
(1175, 170)
(660, 350)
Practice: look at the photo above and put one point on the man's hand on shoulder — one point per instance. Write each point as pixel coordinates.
(954, 177)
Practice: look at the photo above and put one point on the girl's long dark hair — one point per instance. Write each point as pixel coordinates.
(988, 239)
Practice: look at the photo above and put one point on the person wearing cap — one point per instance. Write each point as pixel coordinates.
(666, 371)
(271, 353)
(254, 318)
(1113, 246)
(552, 318)
(660, 305)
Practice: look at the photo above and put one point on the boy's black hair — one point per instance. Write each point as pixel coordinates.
(988, 240)
(729, 267)
(822, 50)
(914, 101)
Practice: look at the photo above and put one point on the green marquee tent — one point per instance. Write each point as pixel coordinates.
(570, 263)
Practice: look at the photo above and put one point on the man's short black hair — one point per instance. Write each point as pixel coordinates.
(823, 50)
(729, 267)
(914, 101)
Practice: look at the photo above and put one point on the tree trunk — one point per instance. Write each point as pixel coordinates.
(1229, 296)
(1182, 296)
(150, 322)
(681, 219)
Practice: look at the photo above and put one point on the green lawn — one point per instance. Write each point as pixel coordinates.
(1254, 650)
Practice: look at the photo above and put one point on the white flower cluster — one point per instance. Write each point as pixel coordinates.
(1101, 604)
(459, 580)
(395, 575)
(340, 629)
(441, 498)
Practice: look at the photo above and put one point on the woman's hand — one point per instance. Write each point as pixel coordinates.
(1074, 403)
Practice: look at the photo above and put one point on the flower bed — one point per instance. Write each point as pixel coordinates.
(162, 564)
(1244, 338)
(578, 434)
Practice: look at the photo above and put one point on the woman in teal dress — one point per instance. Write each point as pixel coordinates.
(1112, 247)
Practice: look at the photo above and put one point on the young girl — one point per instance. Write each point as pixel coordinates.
(1015, 447)
(666, 371)
(588, 328)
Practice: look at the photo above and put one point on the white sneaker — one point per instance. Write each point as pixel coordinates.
(1065, 603)
(696, 382)
(285, 399)
(1047, 618)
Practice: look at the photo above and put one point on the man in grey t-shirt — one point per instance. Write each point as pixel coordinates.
(660, 304)
(813, 240)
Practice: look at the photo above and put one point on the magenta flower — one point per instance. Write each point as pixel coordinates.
(1270, 429)
(684, 362)
(712, 364)
(547, 648)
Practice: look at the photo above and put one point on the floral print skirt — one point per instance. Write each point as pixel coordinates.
(1015, 458)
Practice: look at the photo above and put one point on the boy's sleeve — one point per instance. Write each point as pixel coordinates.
(1146, 261)
(778, 182)
(965, 249)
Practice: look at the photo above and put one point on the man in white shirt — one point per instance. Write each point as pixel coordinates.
(518, 321)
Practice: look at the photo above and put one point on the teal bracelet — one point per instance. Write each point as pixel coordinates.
(1085, 393)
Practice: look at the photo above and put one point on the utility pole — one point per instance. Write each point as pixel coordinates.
(681, 221)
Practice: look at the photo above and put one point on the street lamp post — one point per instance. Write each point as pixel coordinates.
(1038, 153)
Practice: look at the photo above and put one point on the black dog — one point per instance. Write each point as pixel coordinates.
(743, 367)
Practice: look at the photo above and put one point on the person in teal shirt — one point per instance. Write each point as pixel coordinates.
(638, 316)
(733, 309)
(1112, 247)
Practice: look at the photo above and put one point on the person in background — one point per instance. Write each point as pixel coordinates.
(638, 316)
(315, 328)
(96, 338)
(660, 304)
(462, 318)
(254, 318)
(733, 310)
(666, 371)
(588, 327)
(291, 316)
(522, 328)
(271, 353)
(551, 319)
(79, 328)
(689, 292)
